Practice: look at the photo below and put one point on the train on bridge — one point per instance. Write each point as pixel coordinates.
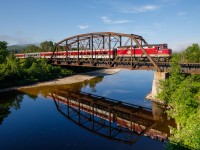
(160, 52)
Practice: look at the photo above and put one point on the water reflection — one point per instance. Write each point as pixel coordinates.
(110, 118)
(75, 87)
(42, 122)
(7, 102)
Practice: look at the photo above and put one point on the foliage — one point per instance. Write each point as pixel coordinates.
(190, 55)
(3, 51)
(20, 72)
(14, 71)
(182, 93)
(17, 48)
(32, 48)
(47, 46)
(10, 69)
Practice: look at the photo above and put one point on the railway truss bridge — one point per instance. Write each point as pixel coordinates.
(99, 41)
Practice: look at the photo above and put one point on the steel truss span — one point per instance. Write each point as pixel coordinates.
(99, 49)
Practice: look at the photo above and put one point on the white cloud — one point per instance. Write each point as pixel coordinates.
(141, 9)
(14, 39)
(181, 13)
(81, 26)
(107, 20)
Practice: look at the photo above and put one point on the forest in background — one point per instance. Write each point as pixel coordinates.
(46, 46)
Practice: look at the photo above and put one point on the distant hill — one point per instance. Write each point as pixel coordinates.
(18, 48)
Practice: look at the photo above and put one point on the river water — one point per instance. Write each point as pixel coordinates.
(103, 113)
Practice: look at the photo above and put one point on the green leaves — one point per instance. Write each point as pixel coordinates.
(47, 46)
(10, 69)
(182, 92)
(20, 72)
(192, 53)
(3, 51)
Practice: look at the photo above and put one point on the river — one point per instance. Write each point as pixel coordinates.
(94, 114)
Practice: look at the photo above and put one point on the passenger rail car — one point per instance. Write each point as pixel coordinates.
(160, 52)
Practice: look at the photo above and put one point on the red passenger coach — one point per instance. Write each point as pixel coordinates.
(159, 52)
(22, 55)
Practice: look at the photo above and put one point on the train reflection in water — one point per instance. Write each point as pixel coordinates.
(110, 118)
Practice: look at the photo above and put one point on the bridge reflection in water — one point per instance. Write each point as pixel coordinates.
(110, 118)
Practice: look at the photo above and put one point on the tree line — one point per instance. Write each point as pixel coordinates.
(46, 46)
(182, 93)
(14, 71)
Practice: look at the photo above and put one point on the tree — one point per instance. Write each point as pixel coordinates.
(192, 53)
(32, 48)
(3, 51)
(11, 68)
(47, 46)
(182, 93)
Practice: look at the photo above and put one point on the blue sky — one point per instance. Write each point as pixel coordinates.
(175, 22)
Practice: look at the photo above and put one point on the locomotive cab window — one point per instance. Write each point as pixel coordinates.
(159, 47)
(165, 46)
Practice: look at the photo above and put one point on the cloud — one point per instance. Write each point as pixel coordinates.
(16, 39)
(81, 26)
(181, 13)
(141, 9)
(107, 20)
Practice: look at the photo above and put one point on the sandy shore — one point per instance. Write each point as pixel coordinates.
(68, 80)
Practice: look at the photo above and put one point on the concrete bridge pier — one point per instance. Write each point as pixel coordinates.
(158, 76)
(157, 110)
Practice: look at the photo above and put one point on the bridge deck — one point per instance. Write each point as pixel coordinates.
(190, 68)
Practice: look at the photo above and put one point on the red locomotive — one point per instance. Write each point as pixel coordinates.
(157, 51)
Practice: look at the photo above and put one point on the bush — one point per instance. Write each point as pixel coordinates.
(182, 93)
(30, 70)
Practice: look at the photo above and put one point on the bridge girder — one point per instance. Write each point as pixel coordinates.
(99, 41)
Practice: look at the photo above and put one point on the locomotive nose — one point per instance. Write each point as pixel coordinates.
(170, 51)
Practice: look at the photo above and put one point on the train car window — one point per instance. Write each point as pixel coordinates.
(165, 46)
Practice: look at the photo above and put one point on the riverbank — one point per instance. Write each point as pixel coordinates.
(68, 80)
(157, 100)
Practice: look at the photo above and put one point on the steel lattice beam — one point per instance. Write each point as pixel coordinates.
(100, 41)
